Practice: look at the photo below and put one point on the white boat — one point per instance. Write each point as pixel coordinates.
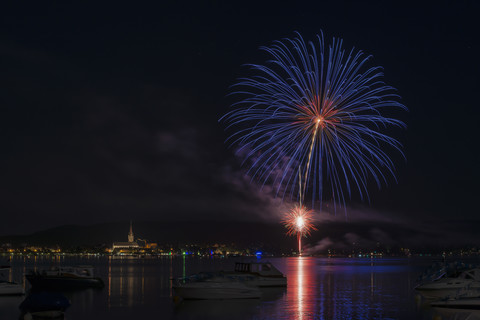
(214, 286)
(450, 286)
(8, 287)
(241, 283)
(11, 288)
(261, 274)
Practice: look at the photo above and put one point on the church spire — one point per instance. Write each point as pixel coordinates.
(130, 234)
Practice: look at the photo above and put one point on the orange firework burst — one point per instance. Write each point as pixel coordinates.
(299, 221)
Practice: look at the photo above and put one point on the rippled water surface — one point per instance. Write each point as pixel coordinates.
(318, 288)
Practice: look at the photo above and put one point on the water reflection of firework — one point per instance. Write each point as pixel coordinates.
(299, 221)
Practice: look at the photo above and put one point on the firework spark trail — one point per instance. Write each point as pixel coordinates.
(318, 109)
(302, 194)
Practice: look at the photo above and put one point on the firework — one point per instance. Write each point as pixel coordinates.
(315, 113)
(299, 221)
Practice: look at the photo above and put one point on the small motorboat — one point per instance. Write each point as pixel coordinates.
(44, 305)
(9, 287)
(241, 283)
(205, 286)
(446, 286)
(64, 278)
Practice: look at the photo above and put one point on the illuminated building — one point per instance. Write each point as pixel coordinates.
(131, 244)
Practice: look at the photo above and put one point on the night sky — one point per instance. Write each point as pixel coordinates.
(110, 112)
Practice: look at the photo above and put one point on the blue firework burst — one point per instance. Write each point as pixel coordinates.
(313, 118)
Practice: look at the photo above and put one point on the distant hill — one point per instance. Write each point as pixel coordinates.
(345, 236)
(243, 233)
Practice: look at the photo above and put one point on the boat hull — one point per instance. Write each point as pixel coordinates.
(201, 291)
(11, 289)
(470, 304)
(444, 290)
(51, 314)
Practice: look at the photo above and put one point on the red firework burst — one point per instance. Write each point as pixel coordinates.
(299, 221)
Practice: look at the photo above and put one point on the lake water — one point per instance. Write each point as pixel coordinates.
(318, 288)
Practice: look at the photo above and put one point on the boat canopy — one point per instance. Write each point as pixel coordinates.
(264, 269)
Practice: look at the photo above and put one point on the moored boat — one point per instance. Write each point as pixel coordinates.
(241, 283)
(446, 286)
(11, 288)
(65, 278)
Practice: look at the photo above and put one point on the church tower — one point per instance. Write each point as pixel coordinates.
(130, 234)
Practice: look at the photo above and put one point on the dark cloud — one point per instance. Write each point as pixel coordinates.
(117, 164)
(402, 232)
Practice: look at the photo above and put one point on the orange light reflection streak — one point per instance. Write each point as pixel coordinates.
(303, 293)
(300, 288)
